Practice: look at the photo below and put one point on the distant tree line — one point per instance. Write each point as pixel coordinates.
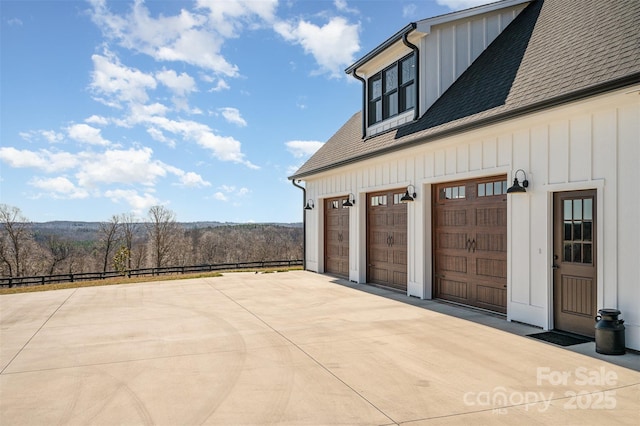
(124, 243)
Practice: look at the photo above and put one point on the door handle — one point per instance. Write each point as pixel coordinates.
(391, 239)
(473, 245)
(555, 265)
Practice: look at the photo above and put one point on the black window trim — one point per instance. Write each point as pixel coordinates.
(399, 90)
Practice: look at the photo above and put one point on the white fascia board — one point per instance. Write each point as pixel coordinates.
(424, 26)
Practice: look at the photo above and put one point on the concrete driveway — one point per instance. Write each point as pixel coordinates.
(287, 348)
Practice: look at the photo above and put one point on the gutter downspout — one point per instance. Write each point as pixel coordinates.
(353, 71)
(416, 52)
(304, 224)
(364, 102)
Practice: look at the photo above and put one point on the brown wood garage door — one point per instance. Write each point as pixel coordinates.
(470, 242)
(336, 237)
(387, 239)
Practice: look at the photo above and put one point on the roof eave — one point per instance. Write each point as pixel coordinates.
(620, 83)
(381, 48)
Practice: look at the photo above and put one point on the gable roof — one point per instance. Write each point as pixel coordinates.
(552, 53)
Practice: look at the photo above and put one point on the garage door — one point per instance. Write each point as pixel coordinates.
(387, 239)
(470, 242)
(336, 237)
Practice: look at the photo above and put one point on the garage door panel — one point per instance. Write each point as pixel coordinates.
(494, 242)
(336, 251)
(450, 263)
(400, 257)
(387, 239)
(399, 239)
(399, 280)
(334, 220)
(379, 255)
(493, 268)
(455, 289)
(492, 296)
(451, 240)
(491, 216)
(452, 217)
(379, 274)
(470, 247)
(333, 249)
(399, 218)
(380, 239)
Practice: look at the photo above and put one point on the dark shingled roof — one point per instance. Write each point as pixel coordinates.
(555, 51)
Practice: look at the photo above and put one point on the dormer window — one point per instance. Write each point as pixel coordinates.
(392, 90)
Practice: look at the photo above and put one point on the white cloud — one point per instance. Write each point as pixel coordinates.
(43, 160)
(220, 86)
(14, 22)
(224, 148)
(50, 136)
(140, 204)
(301, 149)
(220, 196)
(180, 85)
(409, 10)
(333, 45)
(160, 137)
(97, 119)
(131, 166)
(232, 115)
(118, 83)
(183, 37)
(59, 187)
(193, 180)
(462, 4)
(87, 134)
(228, 17)
(342, 6)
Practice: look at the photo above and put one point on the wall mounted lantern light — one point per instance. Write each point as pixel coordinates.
(309, 205)
(409, 196)
(516, 185)
(351, 200)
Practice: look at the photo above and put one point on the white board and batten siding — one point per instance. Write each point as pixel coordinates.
(447, 48)
(450, 48)
(594, 144)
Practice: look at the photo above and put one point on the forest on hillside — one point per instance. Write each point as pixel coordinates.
(125, 242)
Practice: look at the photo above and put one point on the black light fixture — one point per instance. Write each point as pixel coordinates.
(351, 200)
(309, 205)
(409, 196)
(516, 185)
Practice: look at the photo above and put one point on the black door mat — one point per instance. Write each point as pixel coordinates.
(562, 339)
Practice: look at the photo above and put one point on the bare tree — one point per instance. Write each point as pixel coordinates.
(130, 230)
(16, 237)
(58, 251)
(108, 235)
(163, 231)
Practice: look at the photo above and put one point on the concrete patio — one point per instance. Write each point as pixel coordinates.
(290, 348)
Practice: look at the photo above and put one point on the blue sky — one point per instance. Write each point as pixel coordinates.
(204, 107)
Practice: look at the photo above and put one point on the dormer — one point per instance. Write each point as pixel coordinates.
(406, 74)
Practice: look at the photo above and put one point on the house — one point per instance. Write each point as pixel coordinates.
(495, 164)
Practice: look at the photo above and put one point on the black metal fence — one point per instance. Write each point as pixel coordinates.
(169, 270)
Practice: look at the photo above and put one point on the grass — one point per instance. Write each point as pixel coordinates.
(132, 280)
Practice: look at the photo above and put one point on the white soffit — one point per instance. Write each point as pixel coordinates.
(424, 26)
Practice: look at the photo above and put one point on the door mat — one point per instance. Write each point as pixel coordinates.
(562, 339)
